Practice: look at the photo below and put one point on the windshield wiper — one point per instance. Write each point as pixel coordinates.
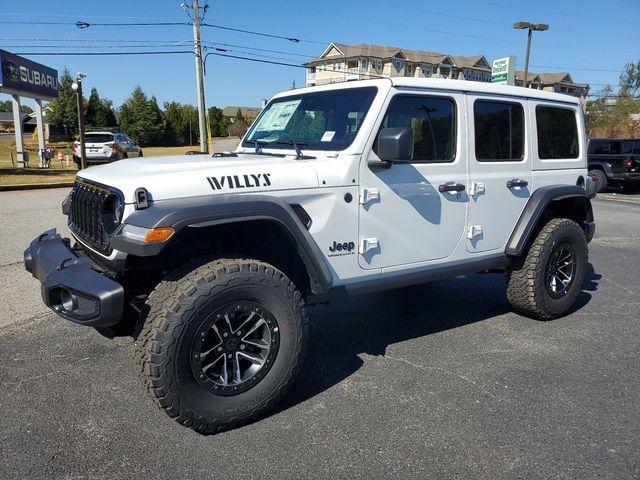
(296, 147)
(257, 144)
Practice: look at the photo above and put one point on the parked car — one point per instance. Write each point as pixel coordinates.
(105, 147)
(335, 190)
(615, 161)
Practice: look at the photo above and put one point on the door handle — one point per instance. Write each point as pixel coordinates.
(516, 182)
(451, 187)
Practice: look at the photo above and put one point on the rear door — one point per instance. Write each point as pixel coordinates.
(607, 152)
(499, 169)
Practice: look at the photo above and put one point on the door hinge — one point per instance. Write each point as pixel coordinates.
(367, 244)
(369, 194)
(474, 231)
(475, 188)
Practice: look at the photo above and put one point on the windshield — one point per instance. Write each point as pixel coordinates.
(326, 120)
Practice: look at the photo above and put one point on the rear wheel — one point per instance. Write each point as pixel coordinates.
(546, 282)
(221, 342)
(602, 179)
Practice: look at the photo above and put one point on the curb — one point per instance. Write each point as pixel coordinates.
(34, 186)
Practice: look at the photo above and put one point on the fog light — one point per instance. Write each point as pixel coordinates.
(67, 300)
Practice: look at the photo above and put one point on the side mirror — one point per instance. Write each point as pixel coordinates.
(395, 144)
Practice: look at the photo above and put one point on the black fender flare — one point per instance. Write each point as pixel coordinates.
(601, 165)
(535, 207)
(210, 210)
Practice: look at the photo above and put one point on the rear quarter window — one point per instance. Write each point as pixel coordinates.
(557, 133)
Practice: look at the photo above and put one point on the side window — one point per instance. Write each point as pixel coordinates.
(499, 131)
(631, 147)
(605, 147)
(557, 133)
(433, 121)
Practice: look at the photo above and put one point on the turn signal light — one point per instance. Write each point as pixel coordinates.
(159, 234)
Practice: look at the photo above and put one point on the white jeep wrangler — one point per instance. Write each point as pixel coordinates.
(209, 261)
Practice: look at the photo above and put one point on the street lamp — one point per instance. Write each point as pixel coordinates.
(77, 86)
(541, 27)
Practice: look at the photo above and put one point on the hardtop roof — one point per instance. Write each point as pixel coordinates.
(443, 85)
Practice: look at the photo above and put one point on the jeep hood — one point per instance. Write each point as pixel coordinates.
(180, 176)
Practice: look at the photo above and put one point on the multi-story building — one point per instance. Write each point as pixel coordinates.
(554, 82)
(340, 62)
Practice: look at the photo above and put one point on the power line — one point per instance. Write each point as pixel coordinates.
(168, 45)
(251, 32)
(243, 52)
(79, 54)
(305, 55)
(90, 40)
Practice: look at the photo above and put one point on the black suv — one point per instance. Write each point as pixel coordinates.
(615, 161)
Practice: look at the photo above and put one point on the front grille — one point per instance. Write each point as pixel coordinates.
(86, 218)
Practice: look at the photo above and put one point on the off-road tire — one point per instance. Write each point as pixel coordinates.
(602, 179)
(526, 279)
(175, 309)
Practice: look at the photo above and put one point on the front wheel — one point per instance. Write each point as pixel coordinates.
(546, 282)
(221, 342)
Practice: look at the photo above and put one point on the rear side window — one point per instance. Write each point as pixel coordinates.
(604, 147)
(557, 133)
(98, 138)
(499, 131)
(631, 147)
(433, 121)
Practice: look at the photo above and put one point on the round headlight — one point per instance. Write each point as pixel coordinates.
(111, 213)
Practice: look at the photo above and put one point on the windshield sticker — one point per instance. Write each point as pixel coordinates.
(328, 136)
(278, 116)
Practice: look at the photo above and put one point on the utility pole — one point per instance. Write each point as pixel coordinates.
(197, 46)
(77, 86)
(541, 27)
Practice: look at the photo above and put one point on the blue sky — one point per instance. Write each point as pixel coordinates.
(592, 39)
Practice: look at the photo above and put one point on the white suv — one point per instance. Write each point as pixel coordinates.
(105, 146)
(209, 262)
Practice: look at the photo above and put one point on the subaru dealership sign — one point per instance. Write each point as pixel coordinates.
(23, 77)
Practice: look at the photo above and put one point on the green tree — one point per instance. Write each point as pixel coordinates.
(62, 110)
(218, 123)
(239, 117)
(141, 118)
(7, 106)
(630, 79)
(99, 111)
(181, 124)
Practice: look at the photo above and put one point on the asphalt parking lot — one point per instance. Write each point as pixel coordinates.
(434, 381)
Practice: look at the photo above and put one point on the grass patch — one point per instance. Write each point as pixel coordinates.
(29, 178)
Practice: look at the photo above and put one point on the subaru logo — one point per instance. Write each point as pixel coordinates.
(11, 70)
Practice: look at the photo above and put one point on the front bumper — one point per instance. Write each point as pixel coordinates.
(70, 286)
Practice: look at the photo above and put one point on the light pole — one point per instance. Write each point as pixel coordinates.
(541, 27)
(77, 86)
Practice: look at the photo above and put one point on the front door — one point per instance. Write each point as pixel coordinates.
(499, 169)
(404, 217)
